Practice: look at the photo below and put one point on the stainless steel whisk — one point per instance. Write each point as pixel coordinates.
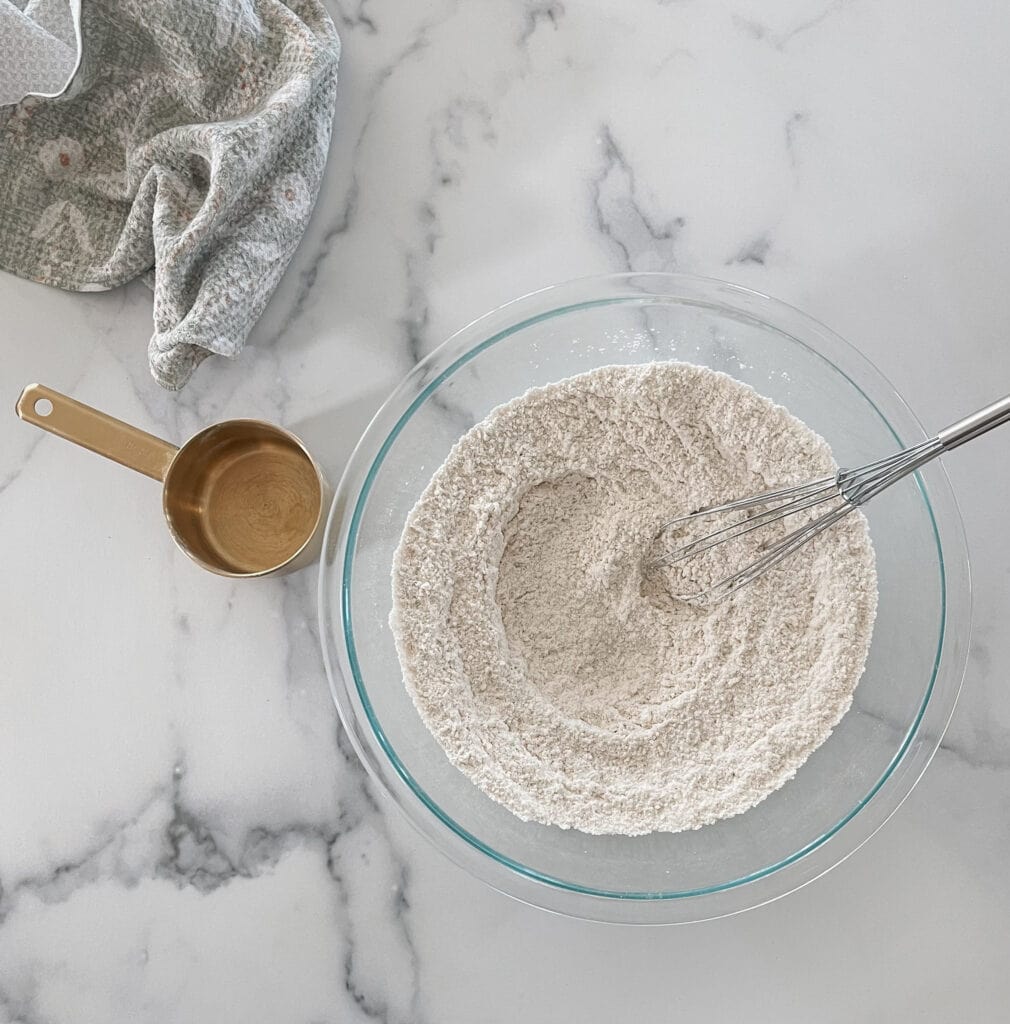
(840, 494)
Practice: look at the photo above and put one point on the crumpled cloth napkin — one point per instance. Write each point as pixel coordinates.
(193, 142)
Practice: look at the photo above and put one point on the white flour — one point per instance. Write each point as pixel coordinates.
(568, 686)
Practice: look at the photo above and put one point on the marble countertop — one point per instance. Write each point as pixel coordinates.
(186, 835)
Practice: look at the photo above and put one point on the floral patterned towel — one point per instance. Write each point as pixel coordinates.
(193, 143)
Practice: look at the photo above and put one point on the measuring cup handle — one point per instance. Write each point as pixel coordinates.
(94, 430)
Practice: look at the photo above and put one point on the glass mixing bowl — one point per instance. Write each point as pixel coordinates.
(850, 785)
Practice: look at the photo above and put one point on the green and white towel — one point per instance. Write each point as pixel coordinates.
(40, 47)
(191, 141)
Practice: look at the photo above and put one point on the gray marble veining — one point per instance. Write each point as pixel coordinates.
(186, 834)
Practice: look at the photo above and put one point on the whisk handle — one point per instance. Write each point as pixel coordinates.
(976, 424)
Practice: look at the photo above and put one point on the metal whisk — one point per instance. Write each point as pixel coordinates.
(839, 494)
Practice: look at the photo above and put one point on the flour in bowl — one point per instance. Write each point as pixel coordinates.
(570, 685)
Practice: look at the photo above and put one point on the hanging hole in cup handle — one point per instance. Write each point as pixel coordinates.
(95, 430)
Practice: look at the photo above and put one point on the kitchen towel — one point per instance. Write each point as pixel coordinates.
(192, 142)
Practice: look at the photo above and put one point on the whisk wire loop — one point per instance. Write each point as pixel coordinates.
(835, 496)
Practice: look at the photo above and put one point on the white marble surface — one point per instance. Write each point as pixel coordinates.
(184, 834)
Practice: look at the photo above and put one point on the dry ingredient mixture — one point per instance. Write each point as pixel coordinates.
(570, 685)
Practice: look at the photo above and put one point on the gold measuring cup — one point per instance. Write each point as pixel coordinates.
(242, 498)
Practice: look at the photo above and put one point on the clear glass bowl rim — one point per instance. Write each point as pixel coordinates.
(468, 851)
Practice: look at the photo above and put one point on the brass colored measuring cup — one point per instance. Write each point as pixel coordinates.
(242, 498)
